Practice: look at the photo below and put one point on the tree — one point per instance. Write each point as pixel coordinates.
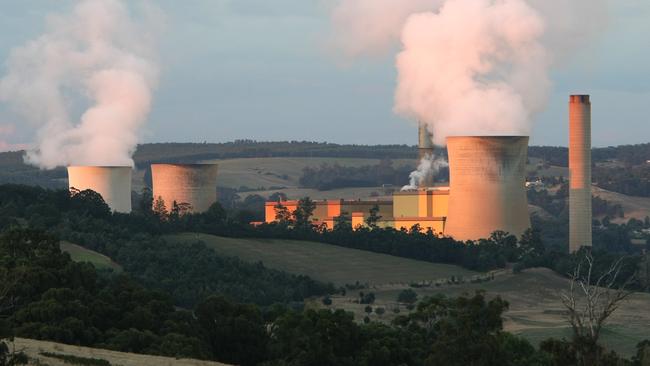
(368, 309)
(531, 244)
(374, 217)
(303, 213)
(235, 332)
(407, 296)
(8, 357)
(282, 215)
(146, 201)
(590, 301)
(159, 208)
(380, 311)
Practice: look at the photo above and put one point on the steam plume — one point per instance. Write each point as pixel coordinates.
(468, 67)
(96, 64)
(429, 166)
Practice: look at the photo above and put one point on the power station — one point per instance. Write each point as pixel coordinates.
(486, 190)
(192, 186)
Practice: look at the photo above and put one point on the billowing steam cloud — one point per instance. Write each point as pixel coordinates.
(467, 67)
(474, 68)
(95, 63)
(429, 166)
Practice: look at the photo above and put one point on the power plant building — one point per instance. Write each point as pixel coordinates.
(113, 183)
(192, 187)
(580, 214)
(486, 193)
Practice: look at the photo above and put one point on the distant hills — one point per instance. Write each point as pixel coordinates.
(14, 170)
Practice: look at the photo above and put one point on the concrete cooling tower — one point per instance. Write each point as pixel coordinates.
(579, 172)
(487, 186)
(193, 184)
(113, 183)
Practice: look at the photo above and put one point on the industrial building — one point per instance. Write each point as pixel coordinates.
(486, 193)
(190, 186)
(113, 183)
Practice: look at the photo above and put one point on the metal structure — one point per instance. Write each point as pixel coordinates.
(487, 186)
(192, 186)
(113, 183)
(425, 148)
(580, 215)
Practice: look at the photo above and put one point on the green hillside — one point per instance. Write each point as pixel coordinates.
(81, 254)
(328, 263)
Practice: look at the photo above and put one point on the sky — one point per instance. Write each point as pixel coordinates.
(265, 70)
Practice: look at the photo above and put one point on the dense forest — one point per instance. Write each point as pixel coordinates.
(183, 300)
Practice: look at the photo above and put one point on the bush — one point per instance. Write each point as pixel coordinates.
(407, 296)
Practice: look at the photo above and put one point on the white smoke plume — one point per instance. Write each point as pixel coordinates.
(429, 166)
(86, 84)
(468, 67)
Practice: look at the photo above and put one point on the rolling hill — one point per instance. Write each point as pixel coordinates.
(59, 354)
(535, 311)
(81, 254)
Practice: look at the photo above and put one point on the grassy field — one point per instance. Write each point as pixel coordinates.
(81, 254)
(535, 310)
(37, 350)
(328, 263)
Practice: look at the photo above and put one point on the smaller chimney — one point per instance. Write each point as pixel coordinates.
(425, 148)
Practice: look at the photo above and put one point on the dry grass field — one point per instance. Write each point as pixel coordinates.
(633, 207)
(35, 350)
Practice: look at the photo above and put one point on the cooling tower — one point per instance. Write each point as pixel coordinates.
(192, 184)
(579, 172)
(425, 148)
(487, 186)
(113, 183)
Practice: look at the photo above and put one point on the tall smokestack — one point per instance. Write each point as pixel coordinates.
(579, 172)
(113, 183)
(487, 177)
(425, 151)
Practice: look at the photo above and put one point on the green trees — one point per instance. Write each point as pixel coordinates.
(303, 213)
(315, 338)
(373, 217)
(407, 296)
(235, 333)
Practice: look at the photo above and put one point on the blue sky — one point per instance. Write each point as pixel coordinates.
(260, 69)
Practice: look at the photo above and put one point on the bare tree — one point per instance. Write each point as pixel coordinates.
(590, 300)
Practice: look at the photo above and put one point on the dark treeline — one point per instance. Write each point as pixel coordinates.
(632, 181)
(630, 155)
(184, 152)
